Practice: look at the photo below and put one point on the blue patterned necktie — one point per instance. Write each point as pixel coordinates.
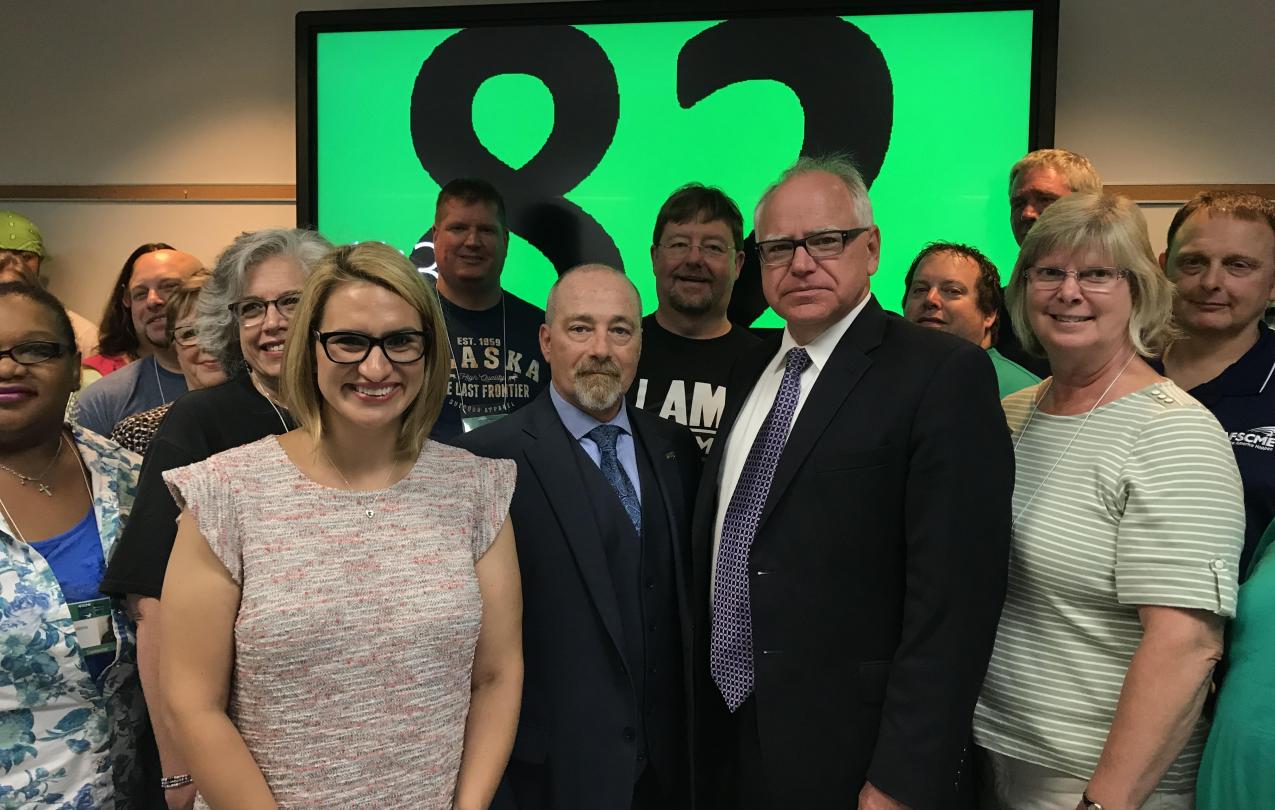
(731, 647)
(605, 436)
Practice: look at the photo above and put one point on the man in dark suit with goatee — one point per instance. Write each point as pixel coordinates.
(602, 517)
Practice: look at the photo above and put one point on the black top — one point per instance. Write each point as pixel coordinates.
(489, 378)
(684, 379)
(1243, 399)
(199, 424)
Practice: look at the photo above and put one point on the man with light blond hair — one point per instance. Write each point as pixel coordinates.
(1038, 180)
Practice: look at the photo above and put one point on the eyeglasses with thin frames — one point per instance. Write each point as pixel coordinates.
(1090, 279)
(679, 249)
(252, 311)
(186, 336)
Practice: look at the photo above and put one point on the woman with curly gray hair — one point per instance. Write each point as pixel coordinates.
(243, 316)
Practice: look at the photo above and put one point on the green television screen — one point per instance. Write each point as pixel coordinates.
(587, 116)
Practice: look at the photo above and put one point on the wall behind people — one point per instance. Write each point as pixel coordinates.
(191, 92)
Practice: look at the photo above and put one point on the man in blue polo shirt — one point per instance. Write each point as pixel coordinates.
(1221, 256)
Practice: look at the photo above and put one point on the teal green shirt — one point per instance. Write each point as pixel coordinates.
(1011, 377)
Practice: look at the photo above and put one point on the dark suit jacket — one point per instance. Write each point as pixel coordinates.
(878, 570)
(579, 710)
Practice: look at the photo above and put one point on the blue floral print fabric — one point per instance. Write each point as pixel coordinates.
(64, 737)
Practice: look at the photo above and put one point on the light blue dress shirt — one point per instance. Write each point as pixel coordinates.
(578, 424)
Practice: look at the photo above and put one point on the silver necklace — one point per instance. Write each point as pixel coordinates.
(40, 484)
(8, 517)
(162, 396)
(261, 389)
(1036, 406)
(370, 509)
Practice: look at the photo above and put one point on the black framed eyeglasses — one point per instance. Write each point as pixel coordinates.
(348, 348)
(822, 245)
(34, 351)
(252, 311)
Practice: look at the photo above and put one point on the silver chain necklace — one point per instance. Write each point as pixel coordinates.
(370, 509)
(40, 484)
(163, 398)
(1076, 435)
(261, 389)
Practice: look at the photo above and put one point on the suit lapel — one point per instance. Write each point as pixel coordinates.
(742, 379)
(552, 457)
(664, 464)
(845, 366)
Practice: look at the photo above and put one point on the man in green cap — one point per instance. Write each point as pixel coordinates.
(21, 254)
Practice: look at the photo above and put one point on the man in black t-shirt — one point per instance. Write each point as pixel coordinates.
(688, 345)
(496, 362)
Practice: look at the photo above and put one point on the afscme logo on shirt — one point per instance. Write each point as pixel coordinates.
(1258, 438)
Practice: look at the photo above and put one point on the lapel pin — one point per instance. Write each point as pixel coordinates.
(671, 455)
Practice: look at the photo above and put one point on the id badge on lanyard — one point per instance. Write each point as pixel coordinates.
(93, 627)
(469, 423)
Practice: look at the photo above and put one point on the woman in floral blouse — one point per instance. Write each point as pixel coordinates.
(68, 697)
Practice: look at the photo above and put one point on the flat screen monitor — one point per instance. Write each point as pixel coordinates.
(587, 116)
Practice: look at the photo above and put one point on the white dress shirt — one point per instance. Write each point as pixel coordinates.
(758, 405)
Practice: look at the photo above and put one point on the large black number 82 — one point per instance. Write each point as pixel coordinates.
(836, 71)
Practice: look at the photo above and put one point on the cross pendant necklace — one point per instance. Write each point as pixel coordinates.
(40, 484)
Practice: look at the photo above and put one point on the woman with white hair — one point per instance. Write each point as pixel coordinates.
(1127, 524)
(244, 312)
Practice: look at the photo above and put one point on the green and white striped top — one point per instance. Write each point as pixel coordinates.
(1145, 508)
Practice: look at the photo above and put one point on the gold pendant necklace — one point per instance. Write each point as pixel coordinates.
(40, 484)
(8, 516)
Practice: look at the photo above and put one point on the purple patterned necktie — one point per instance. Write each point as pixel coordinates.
(731, 647)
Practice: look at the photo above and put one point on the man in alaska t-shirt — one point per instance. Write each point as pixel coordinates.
(496, 362)
(688, 345)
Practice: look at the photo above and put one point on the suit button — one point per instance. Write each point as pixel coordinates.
(651, 627)
(629, 734)
(641, 757)
(650, 583)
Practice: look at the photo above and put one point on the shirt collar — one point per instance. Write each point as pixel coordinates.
(1249, 375)
(578, 423)
(821, 348)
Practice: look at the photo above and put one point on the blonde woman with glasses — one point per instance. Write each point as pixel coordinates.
(342, 610)
(1127, 526)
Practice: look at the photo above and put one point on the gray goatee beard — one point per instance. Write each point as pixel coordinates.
(598, 385)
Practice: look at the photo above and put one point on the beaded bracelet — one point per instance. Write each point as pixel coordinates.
(174, 782)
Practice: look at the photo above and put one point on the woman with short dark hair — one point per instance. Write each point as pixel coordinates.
(69, 703)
